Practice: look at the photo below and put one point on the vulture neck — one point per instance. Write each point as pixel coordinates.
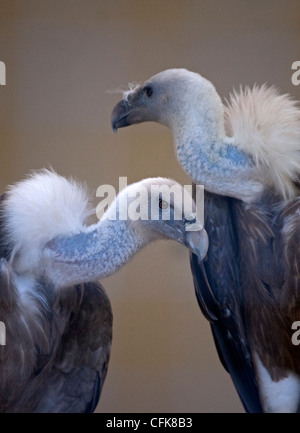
(95, 253)
(212, 159)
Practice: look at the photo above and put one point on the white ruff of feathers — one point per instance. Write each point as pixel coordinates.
(40, 208)
(266, 125)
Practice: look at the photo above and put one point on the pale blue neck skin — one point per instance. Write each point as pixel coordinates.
(212, 160)
(92, 254)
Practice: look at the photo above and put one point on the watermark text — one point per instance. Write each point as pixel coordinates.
(296, 335)
(2, 74)
(296, 75)
(153, 202)
(2, 334)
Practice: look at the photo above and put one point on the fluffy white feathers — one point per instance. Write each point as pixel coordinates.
(266, 125)
(39, 208)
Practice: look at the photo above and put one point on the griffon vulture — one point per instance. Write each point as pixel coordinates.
(57, 317)
(247, 155)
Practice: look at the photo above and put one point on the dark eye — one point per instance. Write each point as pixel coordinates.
(162, 204)
(148, 91)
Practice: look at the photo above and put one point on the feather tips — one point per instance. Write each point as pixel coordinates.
(266, 125)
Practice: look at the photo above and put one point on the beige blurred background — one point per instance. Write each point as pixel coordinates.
(63, 60)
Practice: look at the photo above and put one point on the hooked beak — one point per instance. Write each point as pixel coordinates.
(119, 115)
(196, 239)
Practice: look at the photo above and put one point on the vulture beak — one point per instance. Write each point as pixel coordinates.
(119, 115)
(196, 239)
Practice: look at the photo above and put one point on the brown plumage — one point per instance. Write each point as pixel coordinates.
(59, 356)
(269, 260)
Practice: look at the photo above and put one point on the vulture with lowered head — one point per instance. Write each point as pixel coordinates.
(247, 156)
(58, 318)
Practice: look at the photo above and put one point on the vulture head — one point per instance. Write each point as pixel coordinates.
(166, 98)
(214, 142)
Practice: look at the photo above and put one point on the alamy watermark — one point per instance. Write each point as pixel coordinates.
(296, 335)
(2, 334)
(296, 75)
(138, 206)
(2, 74)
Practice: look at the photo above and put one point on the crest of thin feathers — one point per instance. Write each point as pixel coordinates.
(266, 125)
(131, 88)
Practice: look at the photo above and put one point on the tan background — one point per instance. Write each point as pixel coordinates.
(62, 60)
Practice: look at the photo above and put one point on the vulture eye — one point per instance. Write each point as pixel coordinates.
(163, 204)
(148, 91)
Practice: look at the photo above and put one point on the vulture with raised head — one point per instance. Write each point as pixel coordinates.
(247, 155)
(58, 318)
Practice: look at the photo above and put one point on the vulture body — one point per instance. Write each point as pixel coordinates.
(247, 156)
(57, 317)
